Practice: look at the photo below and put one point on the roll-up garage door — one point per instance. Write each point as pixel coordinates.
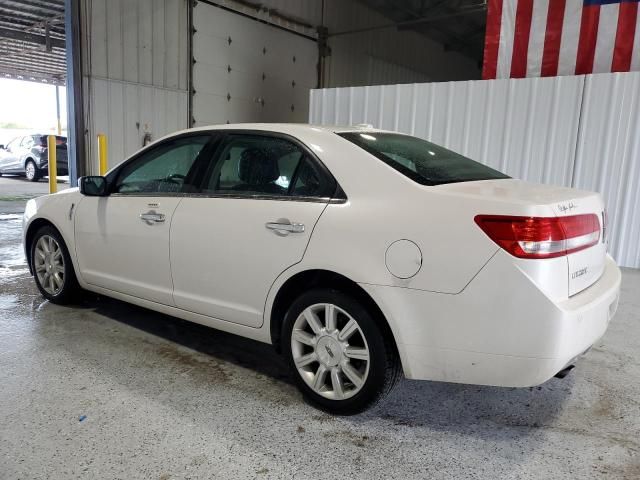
(246, 70)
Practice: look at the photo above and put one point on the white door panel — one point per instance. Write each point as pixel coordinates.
(224, 259)
(248, 71)
(118, 250)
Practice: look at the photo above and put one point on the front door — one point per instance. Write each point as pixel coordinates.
(253, 220)
(122, 240)
(10, 160)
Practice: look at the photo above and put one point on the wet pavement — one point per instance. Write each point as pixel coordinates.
(108, 390)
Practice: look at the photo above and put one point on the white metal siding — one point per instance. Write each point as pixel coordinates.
(126, 111)
(135, 73)
(140, 41)
(573, 131)
(608, 156)
(305, 15)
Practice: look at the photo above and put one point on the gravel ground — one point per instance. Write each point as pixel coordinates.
(161, 398)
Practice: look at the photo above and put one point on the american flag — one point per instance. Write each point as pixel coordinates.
(543, 38)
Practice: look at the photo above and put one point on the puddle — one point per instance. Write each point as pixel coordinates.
(7, 302)
(12, 260)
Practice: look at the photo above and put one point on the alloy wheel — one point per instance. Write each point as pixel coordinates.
(30, 171)
(49, 264)
(330, 351)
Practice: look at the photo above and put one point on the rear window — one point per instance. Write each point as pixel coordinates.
(421, 161)
(60, 140)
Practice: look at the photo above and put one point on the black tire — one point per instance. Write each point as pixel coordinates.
(36, 173)
(384, 365)
(70, 288)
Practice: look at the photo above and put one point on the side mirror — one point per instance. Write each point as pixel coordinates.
(93, 186)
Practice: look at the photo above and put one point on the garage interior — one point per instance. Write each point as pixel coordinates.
(109, 390)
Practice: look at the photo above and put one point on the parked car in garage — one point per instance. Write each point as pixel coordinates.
(360, 254)
(29, 156)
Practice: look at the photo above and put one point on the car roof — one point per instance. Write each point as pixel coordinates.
(290, 128)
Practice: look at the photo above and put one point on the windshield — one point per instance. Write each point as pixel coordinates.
(422, 161)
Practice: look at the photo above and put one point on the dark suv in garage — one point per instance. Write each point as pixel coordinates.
(29, 156)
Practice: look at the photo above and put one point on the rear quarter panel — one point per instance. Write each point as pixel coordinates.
(352, 238)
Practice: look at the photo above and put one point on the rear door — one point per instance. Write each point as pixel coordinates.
(122, 240)
(254, 218)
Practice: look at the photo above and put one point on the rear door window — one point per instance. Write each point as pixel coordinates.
(263, 165)
(420, 160)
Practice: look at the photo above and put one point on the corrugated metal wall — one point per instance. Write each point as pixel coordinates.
(305, 15)
(391, 72)
(135, 72)
(525, 128)
(608, 156)
(139, 41)
(580, 131)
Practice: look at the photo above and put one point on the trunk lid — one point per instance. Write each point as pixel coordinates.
(519, 198)
(586, 266)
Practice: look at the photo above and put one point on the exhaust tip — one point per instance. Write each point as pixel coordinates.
(565, 371)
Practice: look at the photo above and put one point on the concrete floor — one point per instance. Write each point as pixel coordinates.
(15, 191)
(165, 399)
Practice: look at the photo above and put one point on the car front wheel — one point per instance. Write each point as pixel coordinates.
(342, 361)
(31, 171)
(52, 267)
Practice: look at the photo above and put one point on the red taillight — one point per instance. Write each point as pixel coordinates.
(541, 237)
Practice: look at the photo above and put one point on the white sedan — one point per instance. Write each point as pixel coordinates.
(360, 254)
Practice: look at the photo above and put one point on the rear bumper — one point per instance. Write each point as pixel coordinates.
(62, 168)
(501, 330)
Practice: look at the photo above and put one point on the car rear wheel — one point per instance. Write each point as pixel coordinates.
(31, 171)
(341, 359)
(52, 267)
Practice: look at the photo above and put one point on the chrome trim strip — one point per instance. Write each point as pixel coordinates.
(234, 196)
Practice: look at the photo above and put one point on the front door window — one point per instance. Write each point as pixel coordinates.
(163, 169)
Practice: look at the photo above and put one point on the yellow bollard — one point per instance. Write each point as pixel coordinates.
(53, 167)
(102, 153)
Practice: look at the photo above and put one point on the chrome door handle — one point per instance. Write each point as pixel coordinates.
(152, 217)
(284, 228)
